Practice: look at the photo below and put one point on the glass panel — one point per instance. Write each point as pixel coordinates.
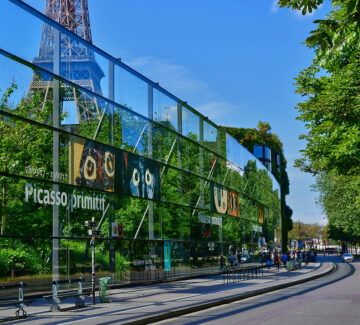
(190, 124)
(232, 150)
(81, 65)
(23, 42)
(131, 91)
(190, 159)
(210, 136)
(134, 130)
(221, 146)
(164, 145)
(165, 110)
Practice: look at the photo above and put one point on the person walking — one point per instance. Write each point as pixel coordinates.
(222, 262)
(231, 259)
(268, 261)
(284, 259)
(277, 261)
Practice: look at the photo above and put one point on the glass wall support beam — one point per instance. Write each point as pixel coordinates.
(179, 129)
(150, 155)
(201, 167)
(218, 149)
(56, 152)
(110, 206)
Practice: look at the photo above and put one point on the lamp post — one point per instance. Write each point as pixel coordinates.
(93, 233)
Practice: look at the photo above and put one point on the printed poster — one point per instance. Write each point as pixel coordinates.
(91, 164)
(224, 201)
(233, 204)
(140, 176)
(218, 198)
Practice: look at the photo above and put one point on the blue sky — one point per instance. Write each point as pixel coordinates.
(234, 61)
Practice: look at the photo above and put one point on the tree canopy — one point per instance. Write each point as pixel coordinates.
(304, 230)
(330, 111)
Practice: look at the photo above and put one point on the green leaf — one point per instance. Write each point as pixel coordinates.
(351, 6)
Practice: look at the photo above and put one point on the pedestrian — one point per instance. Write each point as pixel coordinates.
(222, 262)
(284, 259)
(268, 260)
(262, 258)
(307, 257)
(277, 261)
(236, 260)
(231, 259)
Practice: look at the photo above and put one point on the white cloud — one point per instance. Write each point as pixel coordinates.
(182, 83)
(171, 76)
(221, 112)
(274, 6)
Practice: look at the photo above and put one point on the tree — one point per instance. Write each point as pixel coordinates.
(21, 145)
(339, 197)
(336, 38)
(303, 230)
(331, 113)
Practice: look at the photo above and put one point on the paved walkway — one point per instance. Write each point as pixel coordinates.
(150, 303)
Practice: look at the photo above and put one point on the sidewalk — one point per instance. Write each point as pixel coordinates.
(150, 303)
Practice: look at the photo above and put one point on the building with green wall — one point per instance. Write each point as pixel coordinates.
(85, 137)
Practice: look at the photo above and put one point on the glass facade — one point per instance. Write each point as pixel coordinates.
(85, 137)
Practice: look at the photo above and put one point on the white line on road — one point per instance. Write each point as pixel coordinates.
(125, 310)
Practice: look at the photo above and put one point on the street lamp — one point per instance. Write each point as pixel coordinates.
(93, 233)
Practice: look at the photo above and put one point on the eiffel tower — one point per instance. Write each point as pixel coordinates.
(77, 62)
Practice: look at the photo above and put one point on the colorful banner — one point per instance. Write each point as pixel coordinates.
(140, 176)
(218, 198)
(224, 201)
(91, 165)
(233, 204)
(167, 256)
(98, 166)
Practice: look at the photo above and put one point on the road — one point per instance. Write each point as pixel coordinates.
(331, 300)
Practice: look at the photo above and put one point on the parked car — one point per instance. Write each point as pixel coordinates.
(245, 258)
(347, 257)
(330, 251)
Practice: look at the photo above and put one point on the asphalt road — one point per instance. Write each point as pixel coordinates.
(330, 300)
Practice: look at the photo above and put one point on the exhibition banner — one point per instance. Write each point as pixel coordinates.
(91, 165)
(233, 204)
(140, 176)
(224, 201)
(97, 166)
(218, 198)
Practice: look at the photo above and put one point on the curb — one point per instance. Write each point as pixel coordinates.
(250, 294)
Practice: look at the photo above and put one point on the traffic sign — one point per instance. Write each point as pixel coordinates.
(91, 224)
(94, 232)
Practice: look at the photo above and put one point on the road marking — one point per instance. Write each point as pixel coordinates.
(126, 310)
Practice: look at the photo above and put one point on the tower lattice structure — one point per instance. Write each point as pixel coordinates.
(77, 61)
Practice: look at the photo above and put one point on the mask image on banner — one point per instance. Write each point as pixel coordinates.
(233, 204)
(219, 198)
(140, 177)
(91, 165)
